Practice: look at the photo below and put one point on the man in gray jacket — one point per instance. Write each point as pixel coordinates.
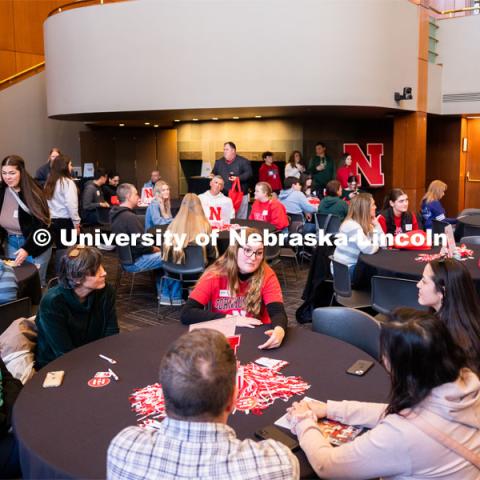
(231, 166)
(92, 197)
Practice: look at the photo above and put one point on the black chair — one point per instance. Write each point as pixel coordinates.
(189, 271)
(334, 223)
(53, 282)
(352, 326)
(10, 311)
(342, 287)
(438, 226)
(471, 231)
(125, 258)
(272, 257)
(322, 220)
(474, 240)
(389, 293)
(103, 215)
(291, 252)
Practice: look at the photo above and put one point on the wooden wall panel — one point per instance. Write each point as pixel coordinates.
(145, 155)
(7, 64)
(7, 37)
(125, 158)
(26, 60)
(167, 159)
(443, 158)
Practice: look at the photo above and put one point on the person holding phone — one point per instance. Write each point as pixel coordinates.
(241, 286)
(433, 395)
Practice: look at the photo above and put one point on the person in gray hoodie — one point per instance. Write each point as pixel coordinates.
(434, 397)
(296, 203)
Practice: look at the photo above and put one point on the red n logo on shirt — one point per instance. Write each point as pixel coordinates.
(371, 169)
(215, 213)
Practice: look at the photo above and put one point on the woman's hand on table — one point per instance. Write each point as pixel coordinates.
(20, 256)
(317, 407)
(299, 411)
(276, 338)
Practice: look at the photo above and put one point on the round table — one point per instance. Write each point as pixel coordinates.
(401, 263)
(223, 239)
(470, 220)
(65, 432)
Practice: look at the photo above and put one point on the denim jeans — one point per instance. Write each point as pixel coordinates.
(15, 242)
(153, 261)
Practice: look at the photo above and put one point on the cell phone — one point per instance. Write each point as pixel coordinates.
(276, 434)
(360, 367)
(53, 379)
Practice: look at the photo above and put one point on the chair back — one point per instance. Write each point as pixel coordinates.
(10, 311)
(322, 220)
(272, 252)
(194, 263)
(103, 215)
(296, 217)
(53, 282)
(438, 226)
(388, 293)
(352, 326)
(334, 223)
(474, 240)
(342, 284)
(125, 255)
(471, 231)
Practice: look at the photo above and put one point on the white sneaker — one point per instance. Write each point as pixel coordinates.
(108, 248)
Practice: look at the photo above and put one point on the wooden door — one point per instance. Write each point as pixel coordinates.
(472, 165)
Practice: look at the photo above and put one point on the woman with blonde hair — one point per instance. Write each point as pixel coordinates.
(431, 207)
(359, 227)
(189, 222)
(240, 286)
(159, 211)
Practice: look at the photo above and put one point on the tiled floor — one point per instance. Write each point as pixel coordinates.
(140, 309)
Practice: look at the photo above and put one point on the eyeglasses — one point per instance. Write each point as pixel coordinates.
(76, 251)
(249, 252)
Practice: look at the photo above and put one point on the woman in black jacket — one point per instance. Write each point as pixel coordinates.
(9, 390)
(23, 213)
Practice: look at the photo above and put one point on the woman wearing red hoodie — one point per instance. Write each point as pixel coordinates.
(268, 209)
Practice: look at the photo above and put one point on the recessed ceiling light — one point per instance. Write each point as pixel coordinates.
(147, 123)
(195, 119)
(258, 116)
(121, 124)
(214, 118)
(156, 126)
(176, 120)
(472, 117)
(235, 118)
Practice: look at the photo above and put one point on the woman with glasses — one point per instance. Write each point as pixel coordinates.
(447, 288)
(432, 413)
(24, 216)
(79, 310)
(242, 287)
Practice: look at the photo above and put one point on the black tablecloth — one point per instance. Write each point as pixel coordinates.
(224, 236)
(28, 280)
(401, 263)
(65, 432)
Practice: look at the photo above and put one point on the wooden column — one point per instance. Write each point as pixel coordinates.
(410, 129)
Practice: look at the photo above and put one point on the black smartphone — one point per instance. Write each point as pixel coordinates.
(276, 434)
(360, 367)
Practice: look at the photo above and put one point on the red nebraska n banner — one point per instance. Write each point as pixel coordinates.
(371, 168)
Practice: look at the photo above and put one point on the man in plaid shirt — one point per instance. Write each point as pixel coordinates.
(198, 380)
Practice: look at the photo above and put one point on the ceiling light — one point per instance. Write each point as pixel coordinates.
(472, 117)
(156, 126)
(147, 123)
(121, 124)
(195, 119)
(176, 120)
(258, 116)
(214, 118)
(235, 118)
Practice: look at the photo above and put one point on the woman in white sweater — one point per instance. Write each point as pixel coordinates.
(358, 229)
(295, 167)
(432, 397)
(62, 197)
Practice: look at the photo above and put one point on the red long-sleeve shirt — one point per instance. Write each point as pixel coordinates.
(271, 175)
(271, 211)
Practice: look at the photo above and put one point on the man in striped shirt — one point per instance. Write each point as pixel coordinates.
(198, 381)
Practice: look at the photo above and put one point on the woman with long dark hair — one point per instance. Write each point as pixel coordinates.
(62, 197)
(295, 166)
(447, 288)
(395, 217)
(432, 396)
(23, 212)
(241, 286)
